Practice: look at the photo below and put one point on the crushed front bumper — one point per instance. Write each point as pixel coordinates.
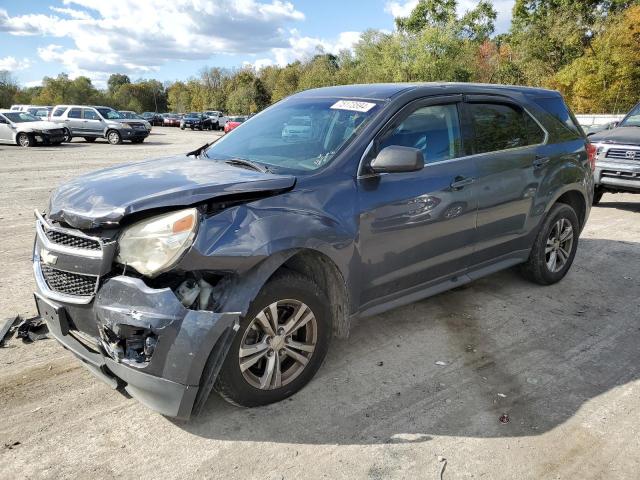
(187, 340)
(106, 326)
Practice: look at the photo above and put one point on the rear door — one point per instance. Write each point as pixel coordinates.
(6, 132)
(506, 139)
(74, 122)
(417, 228)
(93, 124)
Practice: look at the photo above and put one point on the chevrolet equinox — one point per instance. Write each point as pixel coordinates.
(231, 267)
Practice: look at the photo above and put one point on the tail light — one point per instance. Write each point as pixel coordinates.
(591, 155)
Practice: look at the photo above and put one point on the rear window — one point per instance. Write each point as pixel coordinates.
(501, 127)
(563, 125)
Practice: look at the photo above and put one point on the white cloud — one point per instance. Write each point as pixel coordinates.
(135, 37)
(403, 8)
(301, 47)
(12, 64)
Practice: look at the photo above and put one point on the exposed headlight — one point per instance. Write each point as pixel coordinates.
(154, 245)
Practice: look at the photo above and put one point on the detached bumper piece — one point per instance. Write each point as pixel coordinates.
(133, 337)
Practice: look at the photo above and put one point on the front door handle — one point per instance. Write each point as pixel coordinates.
(460, 182)
(540, 161)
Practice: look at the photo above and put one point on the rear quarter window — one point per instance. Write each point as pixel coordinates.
(58, 112)
(560, 122)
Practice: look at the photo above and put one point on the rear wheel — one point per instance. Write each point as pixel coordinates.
(280, 345)
(114, 137)
(25, 140)
(90, 139)
(555, 246)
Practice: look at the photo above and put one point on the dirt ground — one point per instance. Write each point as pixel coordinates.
(562, 362)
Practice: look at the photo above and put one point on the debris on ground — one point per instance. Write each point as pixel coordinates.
(32, 329)
(380, 364)
(6, 328)
(443, 461)
(504, 418)
(9, 446)
(441, 363)
(502, 395)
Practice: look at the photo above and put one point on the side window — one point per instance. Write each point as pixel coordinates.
(59, 111)
(75, 113)
(434, 129)
(501, 127)
(90, 114)
(562, 124)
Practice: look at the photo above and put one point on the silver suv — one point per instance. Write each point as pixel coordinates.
(92, 122)
(218, 119)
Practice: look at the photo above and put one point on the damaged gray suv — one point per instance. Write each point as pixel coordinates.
(230, 268)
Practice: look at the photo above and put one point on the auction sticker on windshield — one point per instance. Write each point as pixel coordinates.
(353, 105)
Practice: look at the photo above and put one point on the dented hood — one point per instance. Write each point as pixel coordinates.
(105, 197)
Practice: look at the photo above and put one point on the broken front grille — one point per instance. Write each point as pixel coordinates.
(72, 241)
(68, 283)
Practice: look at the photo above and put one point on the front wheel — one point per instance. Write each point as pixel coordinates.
(25, 140)
(280, 345)
(114, 137)
(66, 135)
(555, 246)
(597, 195)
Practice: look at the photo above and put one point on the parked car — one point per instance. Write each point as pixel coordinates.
(27, 130)
(98, 122)
(130, 115)
(618, 157)
(218, 119)
(298, 128)
(172, 120)
(197, 121)
(234, 122)
(232, 266)
(154, 119)
(40, 112)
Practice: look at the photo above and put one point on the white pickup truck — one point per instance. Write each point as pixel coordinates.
(219, 119)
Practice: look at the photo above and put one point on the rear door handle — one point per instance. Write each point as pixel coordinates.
(461, 182)
(540, 162)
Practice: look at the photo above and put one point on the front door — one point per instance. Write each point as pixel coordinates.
(417, 228)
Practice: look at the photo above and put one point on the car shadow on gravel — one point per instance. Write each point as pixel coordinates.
(626, 206)
(500, 357)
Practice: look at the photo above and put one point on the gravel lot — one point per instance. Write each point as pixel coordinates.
(562, 362)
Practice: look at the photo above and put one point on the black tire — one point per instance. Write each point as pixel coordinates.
(114, 137)
(25, 140)
(66, 135)
(597, 195)
(181, 128)
(536, 268)
(232, 385)
(90, 139)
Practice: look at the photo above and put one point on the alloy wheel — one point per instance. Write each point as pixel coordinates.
(559, 244)
(278, 344)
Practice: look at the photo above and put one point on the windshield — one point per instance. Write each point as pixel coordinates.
(129, 115)
(192, 115)
(19, 117)
(633, 118)
(296, 134)
(109, 114)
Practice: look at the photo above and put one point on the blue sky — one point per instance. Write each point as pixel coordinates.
(175, 39)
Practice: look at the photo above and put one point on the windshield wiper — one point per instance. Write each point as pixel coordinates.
(242, 162)
(199, 150)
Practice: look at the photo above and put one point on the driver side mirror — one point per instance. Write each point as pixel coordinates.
(397, 159)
